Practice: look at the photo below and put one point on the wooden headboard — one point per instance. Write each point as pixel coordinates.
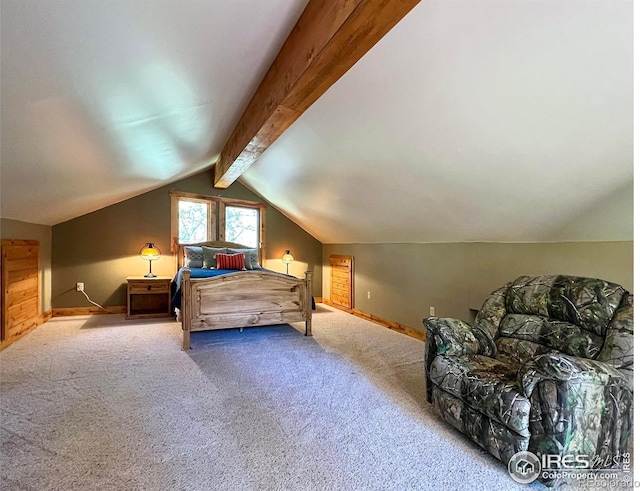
(179, 249)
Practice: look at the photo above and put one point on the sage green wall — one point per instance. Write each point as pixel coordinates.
(100, 248)
(16, 230)
(497, 264)
(404, 280)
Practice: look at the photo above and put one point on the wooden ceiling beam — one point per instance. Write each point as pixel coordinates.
(328, 39)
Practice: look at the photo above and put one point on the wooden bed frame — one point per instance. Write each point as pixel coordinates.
(241, 299)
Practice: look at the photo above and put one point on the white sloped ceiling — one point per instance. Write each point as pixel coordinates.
(470, 121)
(493, 120)
(102, 100)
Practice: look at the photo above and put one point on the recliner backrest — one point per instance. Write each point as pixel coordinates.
(618, 344)
(554, 313)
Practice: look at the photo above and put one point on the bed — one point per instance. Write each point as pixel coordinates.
(208, 299)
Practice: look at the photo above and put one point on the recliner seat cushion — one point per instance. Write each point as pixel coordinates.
(487, 385)
(513, 351)
(537, 331)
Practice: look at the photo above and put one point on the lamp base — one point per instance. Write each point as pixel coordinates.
(150, 274)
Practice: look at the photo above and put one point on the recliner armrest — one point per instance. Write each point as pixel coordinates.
(452, 337)
(578, 407)
(561, 368)
(456, 337)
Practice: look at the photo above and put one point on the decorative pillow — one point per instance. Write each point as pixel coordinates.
(230, 261)
(251, 257)
(209, 256)
(193, 257)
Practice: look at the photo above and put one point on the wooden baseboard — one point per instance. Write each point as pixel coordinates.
(394, 326)
(63, 312)
(336, 306)
(318, 299)
(41, 319)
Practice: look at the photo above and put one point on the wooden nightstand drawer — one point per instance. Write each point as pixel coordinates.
(149, 286)
(148, 297)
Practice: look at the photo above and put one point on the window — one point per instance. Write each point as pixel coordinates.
(198, 218)
(242, 225)
(193, 221)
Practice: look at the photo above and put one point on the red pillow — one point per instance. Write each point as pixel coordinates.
(230, 261)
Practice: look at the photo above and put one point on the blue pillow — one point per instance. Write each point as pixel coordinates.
(193, 257)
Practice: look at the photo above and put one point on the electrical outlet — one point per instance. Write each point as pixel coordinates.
(79, 287)
(368, 295)
(432, 311)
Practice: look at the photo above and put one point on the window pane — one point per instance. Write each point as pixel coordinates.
(241, 226)
(193, 221)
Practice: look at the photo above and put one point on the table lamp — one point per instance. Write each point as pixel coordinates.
(150, 252)
(287, 258)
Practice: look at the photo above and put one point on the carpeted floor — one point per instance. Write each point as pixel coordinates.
(101, 403)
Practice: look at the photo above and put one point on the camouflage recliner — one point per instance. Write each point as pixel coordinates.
(546, 367)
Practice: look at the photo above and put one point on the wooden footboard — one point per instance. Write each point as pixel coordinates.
(244, 299)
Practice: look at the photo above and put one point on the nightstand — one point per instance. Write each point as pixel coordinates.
(148, 297)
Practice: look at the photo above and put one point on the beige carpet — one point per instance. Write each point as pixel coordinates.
(101, 403)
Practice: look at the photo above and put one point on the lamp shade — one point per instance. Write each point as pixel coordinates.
(287, 257)
(150, 252)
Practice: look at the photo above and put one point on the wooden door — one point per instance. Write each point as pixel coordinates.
(20, 286)
(342, 281)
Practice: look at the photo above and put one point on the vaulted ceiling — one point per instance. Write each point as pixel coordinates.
(497, 120)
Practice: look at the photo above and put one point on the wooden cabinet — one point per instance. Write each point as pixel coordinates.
(20, 285)
(342, 281)
(148, 297)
